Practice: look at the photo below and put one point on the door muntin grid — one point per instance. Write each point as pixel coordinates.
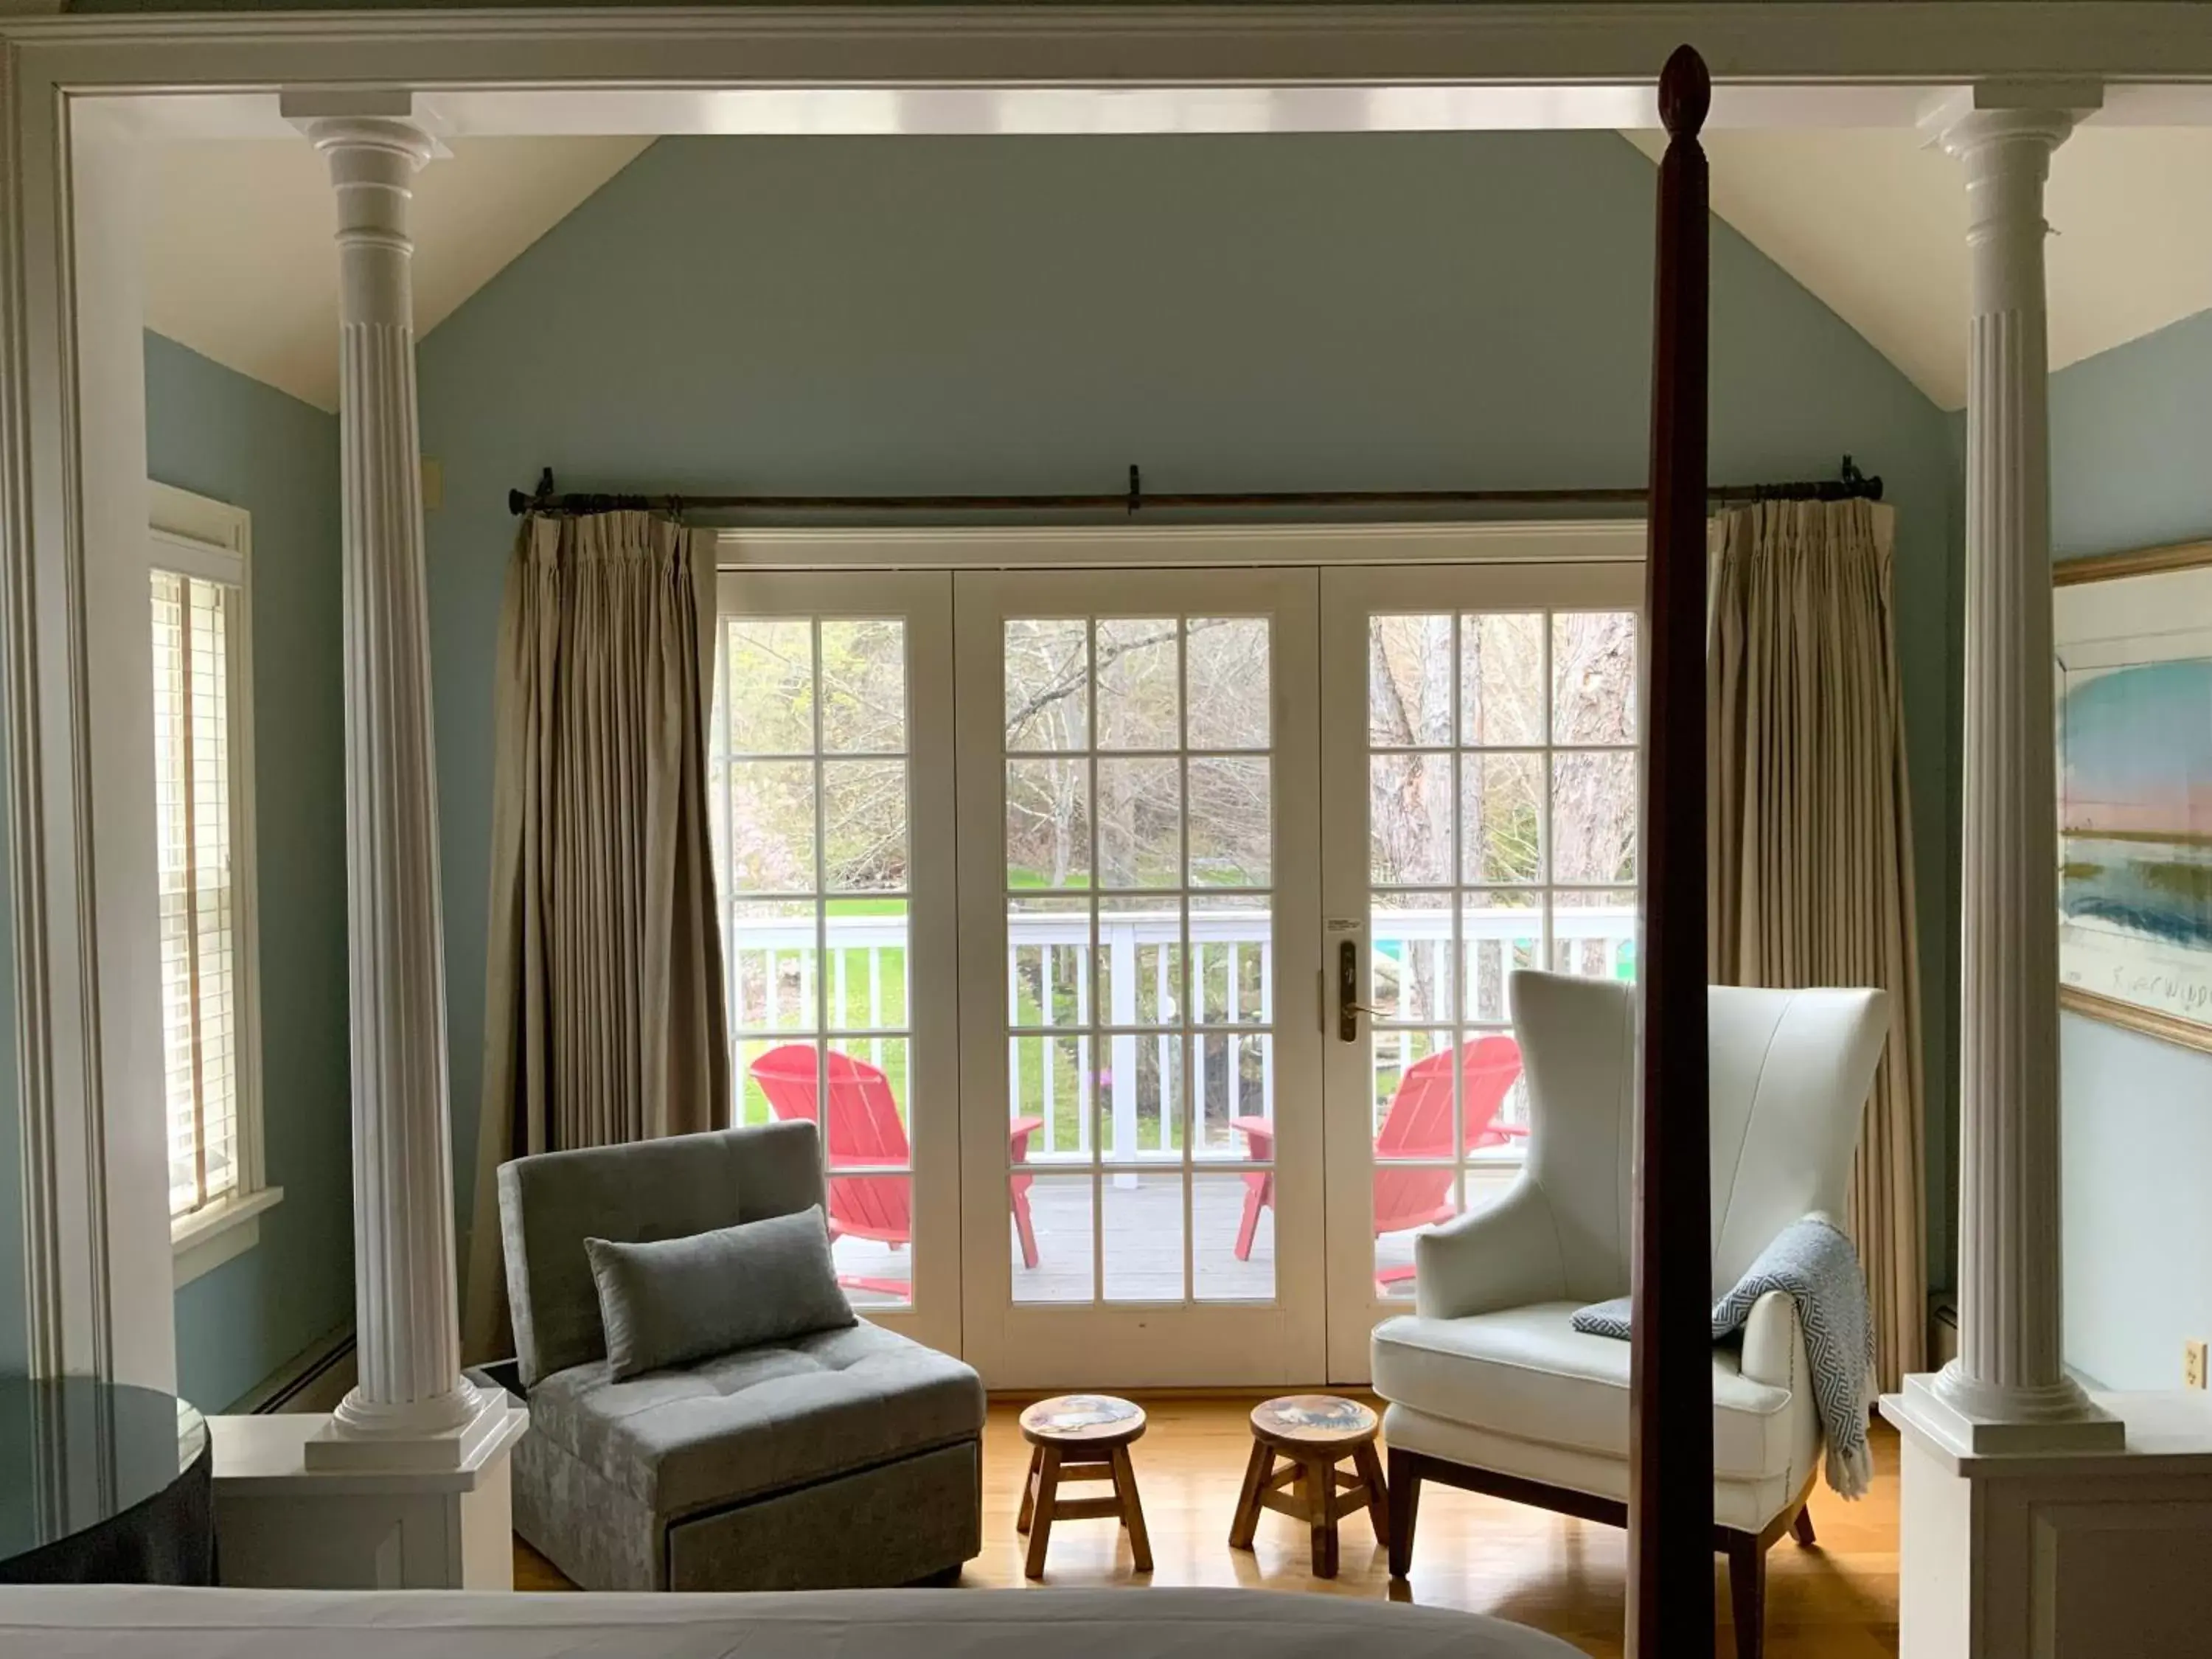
(1138, 757)
(1502, 799)
(811, 810)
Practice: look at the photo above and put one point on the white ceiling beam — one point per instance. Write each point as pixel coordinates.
(1822, 62)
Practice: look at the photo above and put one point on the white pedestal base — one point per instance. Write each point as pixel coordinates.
(2077, 1424)
(281, 1524)
(2041, 1555)
(337, 1445)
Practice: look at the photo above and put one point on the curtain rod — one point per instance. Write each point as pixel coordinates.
(1851, 484)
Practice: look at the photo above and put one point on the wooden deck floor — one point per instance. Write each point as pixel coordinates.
(1837, 1601)
(1144, 1243)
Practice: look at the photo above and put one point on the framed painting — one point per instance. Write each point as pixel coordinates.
(2133, 638)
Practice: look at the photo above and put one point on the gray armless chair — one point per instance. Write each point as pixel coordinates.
(850, 1457)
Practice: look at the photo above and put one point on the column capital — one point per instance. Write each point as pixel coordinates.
(2037, 115)
(404, 140)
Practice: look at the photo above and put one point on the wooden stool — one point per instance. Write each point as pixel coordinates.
(1081, 1437)
(1313, 1432)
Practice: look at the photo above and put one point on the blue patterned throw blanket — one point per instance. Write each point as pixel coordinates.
(1814, 1264)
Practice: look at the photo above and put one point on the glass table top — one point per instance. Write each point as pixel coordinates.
(75, 1452)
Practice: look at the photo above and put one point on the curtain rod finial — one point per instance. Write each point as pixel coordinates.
(1686, 93)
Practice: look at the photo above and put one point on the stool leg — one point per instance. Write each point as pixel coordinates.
(1047, 1488)
(1319, 1481)
(1245, 1524)
(1132, 1509)
(1378, 1497)
(1029, 1490)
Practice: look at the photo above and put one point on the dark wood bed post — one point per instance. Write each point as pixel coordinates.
(1670, 1537)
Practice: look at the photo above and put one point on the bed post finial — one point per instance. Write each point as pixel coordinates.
(1686, 93)
(1670, 1598)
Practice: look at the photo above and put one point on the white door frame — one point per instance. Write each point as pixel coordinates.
(79, 93)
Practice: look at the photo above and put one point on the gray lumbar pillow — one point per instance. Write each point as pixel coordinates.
(680, 1299)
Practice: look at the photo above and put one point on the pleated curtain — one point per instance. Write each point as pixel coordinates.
(1811, 842)
(604, 1016)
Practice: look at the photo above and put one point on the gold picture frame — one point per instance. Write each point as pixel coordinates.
(2090, 640)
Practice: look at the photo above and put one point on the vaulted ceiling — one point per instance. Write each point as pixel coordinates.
(1874, 223)
(240, 264)
(241, 267)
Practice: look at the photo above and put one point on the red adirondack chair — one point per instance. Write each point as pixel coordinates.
(865, 1129)
(1419, 1124)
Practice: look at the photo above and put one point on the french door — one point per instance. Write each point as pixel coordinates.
(829, 785)
(1139, 937)
(1478, 815)
(1138, 880)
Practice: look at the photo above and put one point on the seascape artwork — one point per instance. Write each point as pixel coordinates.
(2135, 788)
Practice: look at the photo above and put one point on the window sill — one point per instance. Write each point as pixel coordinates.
(204, 1240)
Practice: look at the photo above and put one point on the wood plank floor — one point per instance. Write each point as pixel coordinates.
(1837, 1601)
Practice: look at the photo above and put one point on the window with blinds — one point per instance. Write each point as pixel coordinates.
(194, 780)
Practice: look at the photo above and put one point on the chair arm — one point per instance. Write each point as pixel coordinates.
(1773, 1346)
(1018, 1137)
(1505, 1256)
(1259, 1132)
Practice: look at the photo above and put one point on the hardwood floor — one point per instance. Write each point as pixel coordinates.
(1836, 1601)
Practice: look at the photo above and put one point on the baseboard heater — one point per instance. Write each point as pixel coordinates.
(284, 1390)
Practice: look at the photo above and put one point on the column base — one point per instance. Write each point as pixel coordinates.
(2062, 1554)
(284, 1524)
(393, 1445)
(1976, 1425)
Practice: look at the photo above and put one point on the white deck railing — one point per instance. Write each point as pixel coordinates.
(771, 970)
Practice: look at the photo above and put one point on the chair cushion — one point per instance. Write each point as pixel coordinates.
(762, 1419)
(675, 1300)
(549, 1205)
(1528, 1373)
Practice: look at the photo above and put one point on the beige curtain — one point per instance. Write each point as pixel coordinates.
(1811, 849)
(603, 1011)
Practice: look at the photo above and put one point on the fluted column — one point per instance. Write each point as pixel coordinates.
(2010, 1368)
(410, 1388)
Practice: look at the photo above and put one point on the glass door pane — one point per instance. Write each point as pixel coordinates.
(1133, 764)
(1480, 768)
(833, 866)
(1139, 1007)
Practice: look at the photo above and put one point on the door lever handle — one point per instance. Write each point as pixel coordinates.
(1349, 1007)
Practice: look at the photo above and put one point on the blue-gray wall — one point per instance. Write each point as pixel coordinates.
(2128, 470)
(861, 315)
(221, 434)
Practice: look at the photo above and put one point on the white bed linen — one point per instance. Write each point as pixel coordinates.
(139, 1623)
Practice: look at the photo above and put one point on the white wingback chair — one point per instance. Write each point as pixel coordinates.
(1488, 1385)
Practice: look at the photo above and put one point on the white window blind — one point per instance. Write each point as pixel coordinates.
(193, 783)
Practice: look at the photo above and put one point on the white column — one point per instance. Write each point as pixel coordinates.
(411, 1406)
(2009, 1385)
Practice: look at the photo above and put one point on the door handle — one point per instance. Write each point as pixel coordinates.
(1349, 1007)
